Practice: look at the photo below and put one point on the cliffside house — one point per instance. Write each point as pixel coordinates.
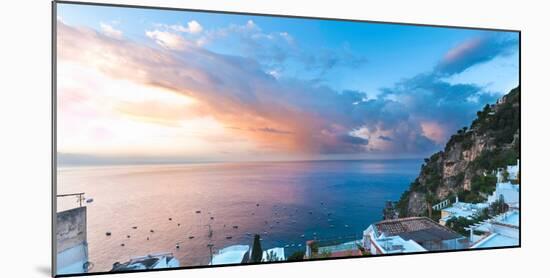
(509, 193)
(501, 230)
(461, 209)
(412, 234)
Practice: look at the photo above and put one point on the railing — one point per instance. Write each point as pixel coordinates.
(79, 196)
(441, 205)
(330, 241)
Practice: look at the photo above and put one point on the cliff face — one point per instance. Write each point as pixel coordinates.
(465, 167)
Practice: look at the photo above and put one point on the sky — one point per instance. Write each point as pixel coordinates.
(145, 85)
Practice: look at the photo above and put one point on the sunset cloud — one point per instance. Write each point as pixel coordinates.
(172, 96)
(474, 51)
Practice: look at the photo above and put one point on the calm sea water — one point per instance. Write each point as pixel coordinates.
(281, 201)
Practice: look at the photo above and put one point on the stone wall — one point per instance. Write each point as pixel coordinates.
(71, 228)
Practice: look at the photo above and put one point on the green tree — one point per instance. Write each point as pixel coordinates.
(430, 201)
(297, 256)
(271, 257)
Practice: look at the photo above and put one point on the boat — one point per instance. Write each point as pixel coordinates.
(235, 227)
(228, 237)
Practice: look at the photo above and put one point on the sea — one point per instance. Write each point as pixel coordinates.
(153, 209)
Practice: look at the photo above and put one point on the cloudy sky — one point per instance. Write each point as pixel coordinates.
(166, 86)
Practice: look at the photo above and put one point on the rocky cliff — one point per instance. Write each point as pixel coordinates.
(465, 168)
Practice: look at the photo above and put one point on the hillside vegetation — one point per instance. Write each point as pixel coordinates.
(466, 166)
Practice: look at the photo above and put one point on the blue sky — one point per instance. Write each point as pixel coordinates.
(391, 71)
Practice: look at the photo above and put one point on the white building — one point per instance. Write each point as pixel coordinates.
(460, 209)
(412, 234)
(508, 191)
(278, 254)
(512, 170)
(234, 254)
(501, 230)
(155, 261)
(377, 243)
(71, 242)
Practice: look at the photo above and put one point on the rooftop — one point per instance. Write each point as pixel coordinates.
(345, 249)
(147, 262)
(496, 240)
(419, 229)
(347, 246)
(396, 244)
(233, 254)
(510, 218)
(465, 209)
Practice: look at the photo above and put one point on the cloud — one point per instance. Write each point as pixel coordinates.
(279, 50)
(167, 39)
(273, 130)
(234, 90)
(193, 27)
(415, 116)
(475, 51)
(110, 31)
